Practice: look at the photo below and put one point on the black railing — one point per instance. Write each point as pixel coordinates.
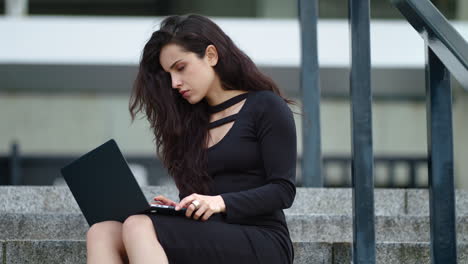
(446, 52)
(362, 164)
(441, 37)
(309, 86)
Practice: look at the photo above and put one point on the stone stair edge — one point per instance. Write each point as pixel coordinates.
(171, 186)
(302, 228)
(52, 251)
(287, 214)
(299, 190)
(382, 243)
(304, 242)
(387, 201)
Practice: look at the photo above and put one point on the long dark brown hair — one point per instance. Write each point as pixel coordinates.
(180, 128)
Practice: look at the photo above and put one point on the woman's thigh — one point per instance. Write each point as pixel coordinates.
(190, 241)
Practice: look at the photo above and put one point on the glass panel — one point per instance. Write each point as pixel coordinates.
(239, 8)
(337, 9)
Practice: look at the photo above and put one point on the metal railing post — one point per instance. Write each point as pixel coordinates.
(14, 165)
(311, 151)
(440, 161)
(362, 165)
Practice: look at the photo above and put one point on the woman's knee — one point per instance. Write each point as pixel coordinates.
(137, 225)
(104, 231)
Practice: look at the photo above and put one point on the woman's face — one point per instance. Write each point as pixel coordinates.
(192, 76)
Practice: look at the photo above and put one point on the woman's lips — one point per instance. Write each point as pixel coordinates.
(185, 94)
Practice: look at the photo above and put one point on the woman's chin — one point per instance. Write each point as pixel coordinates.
(192, 100)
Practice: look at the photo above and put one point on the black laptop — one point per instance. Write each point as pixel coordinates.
(105, 188)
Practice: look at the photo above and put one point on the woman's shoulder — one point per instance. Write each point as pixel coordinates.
(268, 102)
(267, 98)
(271, 112)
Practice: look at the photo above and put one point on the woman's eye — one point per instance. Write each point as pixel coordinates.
(181, 68)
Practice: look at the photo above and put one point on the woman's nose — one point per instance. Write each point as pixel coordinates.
(176, 83)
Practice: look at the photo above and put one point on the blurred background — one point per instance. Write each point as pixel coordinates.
(67, 67)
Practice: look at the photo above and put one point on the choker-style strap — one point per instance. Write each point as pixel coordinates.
(232, 101)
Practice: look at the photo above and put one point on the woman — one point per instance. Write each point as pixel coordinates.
(227, 137)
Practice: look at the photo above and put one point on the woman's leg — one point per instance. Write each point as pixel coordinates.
(104, 243)
(140, 241)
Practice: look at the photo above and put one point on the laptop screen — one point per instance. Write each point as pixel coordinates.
(104, 186)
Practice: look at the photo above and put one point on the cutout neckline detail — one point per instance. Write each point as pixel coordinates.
(227, 119)
(230, 102)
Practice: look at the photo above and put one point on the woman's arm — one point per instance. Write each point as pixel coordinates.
(276, 133)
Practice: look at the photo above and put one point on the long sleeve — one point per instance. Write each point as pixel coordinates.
(276, 134)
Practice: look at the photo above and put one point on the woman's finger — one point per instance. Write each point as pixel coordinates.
(185, 202)
(164, 200)
(189, 211)
(160, 198)
(200, 211)
(207, 215)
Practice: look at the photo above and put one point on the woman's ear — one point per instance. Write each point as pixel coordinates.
(211, 55)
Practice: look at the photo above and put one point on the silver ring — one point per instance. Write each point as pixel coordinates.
(196, 203)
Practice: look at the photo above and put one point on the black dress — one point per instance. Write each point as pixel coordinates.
(253, 168)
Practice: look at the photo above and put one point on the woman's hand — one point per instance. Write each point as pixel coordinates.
(208, 205)
(164, 201)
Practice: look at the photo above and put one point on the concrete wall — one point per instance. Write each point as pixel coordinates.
(60, 124)
(460, 131)
(276, 8)
(75, 124)
(462, 10)
(69, 124)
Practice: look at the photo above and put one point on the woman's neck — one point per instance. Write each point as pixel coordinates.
(218, 96)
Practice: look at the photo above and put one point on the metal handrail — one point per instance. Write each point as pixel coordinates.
(446, 52)
(439, 35)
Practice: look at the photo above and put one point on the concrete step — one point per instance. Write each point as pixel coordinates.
(338, 228)
(327, 201)
(315, 228)
(74, 252)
